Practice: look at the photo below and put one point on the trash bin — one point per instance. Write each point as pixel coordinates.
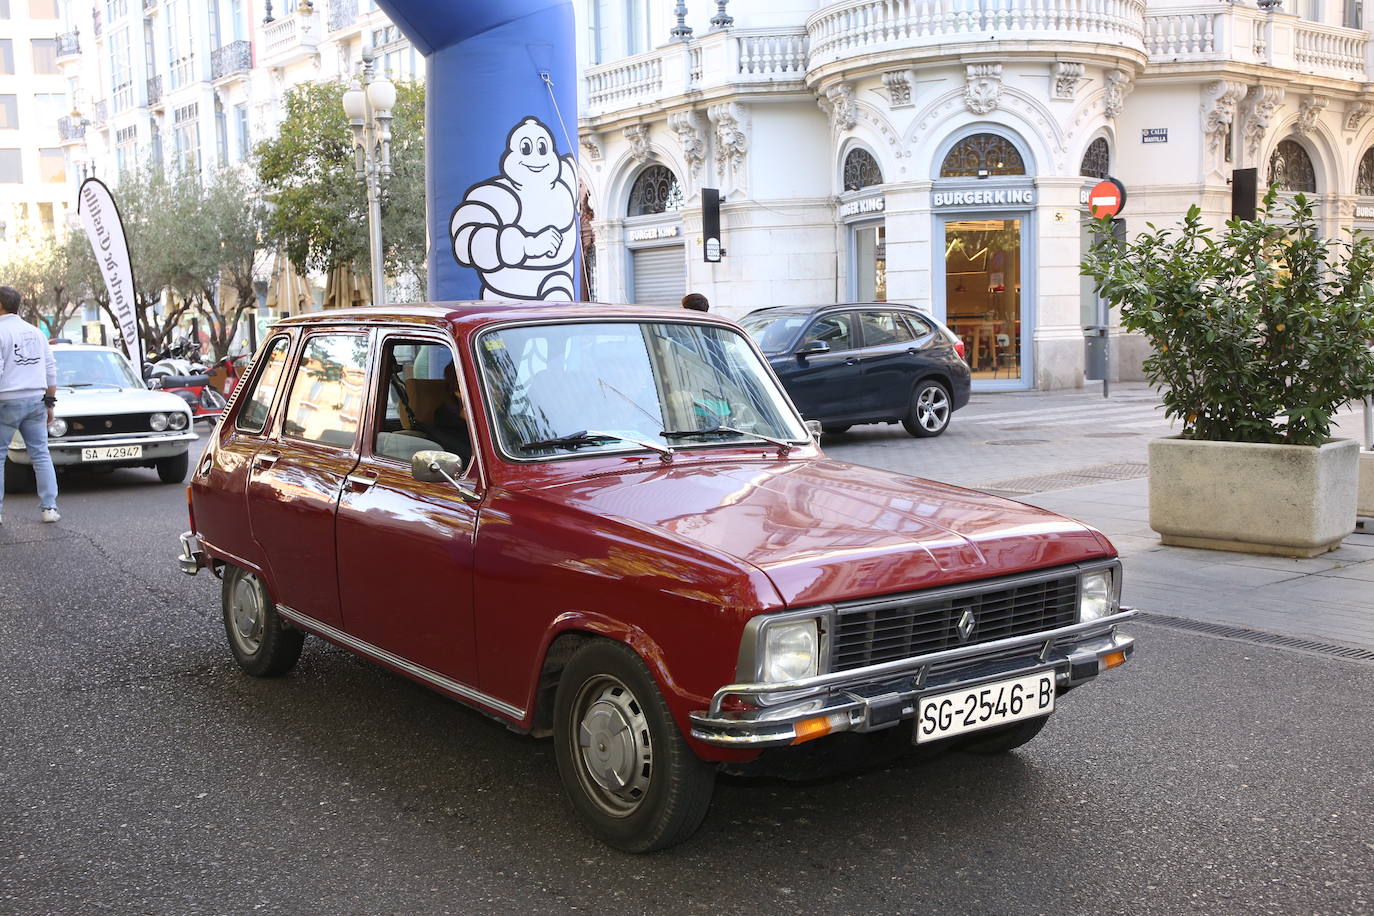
(1095, 352)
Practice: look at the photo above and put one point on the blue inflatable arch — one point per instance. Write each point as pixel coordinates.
(500, 145)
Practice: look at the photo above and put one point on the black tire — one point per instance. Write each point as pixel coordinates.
(930, 410)
(653, 791)
(836, 427)
(1005, 737)
(261, 642)
(173, 470)
(19, 477)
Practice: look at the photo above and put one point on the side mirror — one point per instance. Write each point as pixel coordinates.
(814, 428)
(431, 466)
(812, 347)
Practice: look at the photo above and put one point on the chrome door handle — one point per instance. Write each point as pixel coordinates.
(362, 481)
(851, 361)
(264, 461)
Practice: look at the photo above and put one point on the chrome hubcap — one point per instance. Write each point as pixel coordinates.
(932, 409)
(246, 612)
(613, 745)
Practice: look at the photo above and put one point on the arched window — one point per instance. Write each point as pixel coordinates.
(1096, 159)
(861, 170)
(1291, 168)
(981, 156)
(1364, 181)
(656, 190)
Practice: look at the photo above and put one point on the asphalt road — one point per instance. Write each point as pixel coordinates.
(140, 772)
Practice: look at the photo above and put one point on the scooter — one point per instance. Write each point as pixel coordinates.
(179, 369)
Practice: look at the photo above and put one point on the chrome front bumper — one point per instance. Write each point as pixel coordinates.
(880, 696)
(192, 558)
(66, 452)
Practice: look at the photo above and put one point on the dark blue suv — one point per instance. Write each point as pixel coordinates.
(865, 362)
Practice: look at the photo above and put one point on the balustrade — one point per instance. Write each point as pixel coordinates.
(235, 57)
(68, 43)
(342, 14)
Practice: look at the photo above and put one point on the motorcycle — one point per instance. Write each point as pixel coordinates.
(180, 370)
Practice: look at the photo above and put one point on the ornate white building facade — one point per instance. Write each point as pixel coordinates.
(940, 152)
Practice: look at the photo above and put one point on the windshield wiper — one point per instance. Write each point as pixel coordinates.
(592, 437)
(783, 446)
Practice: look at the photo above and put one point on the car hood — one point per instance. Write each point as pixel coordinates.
(825, 530)
(83, 402)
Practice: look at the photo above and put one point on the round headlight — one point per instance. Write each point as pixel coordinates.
(790, 651)
(1096, 598)
(57, 427)
(178, 420)
(158, 422)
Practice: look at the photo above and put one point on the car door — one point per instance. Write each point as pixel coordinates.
(828, 384)
(297, 475)
(892, 358)
(405, 547)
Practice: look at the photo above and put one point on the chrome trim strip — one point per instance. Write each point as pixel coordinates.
(419, 672)
(905, 666)
(124, 439)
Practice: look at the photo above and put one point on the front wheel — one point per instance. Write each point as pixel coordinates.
(930, 410)
(173, 470)
(629, 773)
(262, 643)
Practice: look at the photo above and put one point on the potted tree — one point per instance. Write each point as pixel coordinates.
(1259, 335)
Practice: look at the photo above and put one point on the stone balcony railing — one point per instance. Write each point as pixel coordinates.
(70, 130)
(154, 90)
(739, 57)
(1252, 36)
(235, 57)
(845, 30)
(68, 44)
(290, 38)
(342, 14)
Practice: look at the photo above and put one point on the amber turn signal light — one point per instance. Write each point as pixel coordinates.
(809, 729)
(1111, 661)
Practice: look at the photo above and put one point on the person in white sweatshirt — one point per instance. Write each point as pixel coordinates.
(28, 393)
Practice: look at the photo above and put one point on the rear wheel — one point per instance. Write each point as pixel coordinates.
(173, 470)
(628, 771)
(930, 410)
(262, 643)
(1005, 737)
(19, 477)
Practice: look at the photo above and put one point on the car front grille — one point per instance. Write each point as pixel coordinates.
(872, 632)
(108, 424)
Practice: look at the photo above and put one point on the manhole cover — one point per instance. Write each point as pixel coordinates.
(1017, 442)
(1064, 480)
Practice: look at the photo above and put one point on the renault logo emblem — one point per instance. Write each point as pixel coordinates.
(966, 623)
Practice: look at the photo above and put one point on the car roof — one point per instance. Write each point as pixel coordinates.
(835, 306)
(476, 313)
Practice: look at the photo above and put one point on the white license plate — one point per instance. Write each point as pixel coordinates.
(945, 715)
(111, 452)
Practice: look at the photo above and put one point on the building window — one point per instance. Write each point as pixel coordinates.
(45, 218)
(186, 139)
(121, 71)
(115, 9)
(11, 167)
(1364, 182)
(656, 190)
(636, 26)
(9, 112)
(861, 170)
(982, 156)
(52, 166)
(50, 107)
(180, 48)
(236, 17)
(221, 136)
(4, 9)
(1291, 168)
(241, 120)
(1096, 160)
(45, 55)
(42, 9)
(6, 55)
(125, 148)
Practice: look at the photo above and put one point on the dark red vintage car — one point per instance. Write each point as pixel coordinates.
(609, 525)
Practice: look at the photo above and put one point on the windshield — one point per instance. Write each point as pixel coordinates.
(94, 369)
(773, 331)
(575, 388)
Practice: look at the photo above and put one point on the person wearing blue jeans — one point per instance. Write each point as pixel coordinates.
(28, 393)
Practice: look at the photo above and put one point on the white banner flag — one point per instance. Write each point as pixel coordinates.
(104, 227)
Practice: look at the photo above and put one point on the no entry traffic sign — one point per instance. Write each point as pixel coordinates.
(1107, 198)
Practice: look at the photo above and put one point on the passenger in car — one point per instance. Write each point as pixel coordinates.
(450, 425)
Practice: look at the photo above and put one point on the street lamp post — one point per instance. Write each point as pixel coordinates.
(368, 105)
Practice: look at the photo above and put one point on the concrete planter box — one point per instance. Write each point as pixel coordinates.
(1289, 500)
(1364, 506)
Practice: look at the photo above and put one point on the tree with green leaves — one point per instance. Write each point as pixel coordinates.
(319, 205)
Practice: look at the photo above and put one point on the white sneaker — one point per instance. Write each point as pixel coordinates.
(49, 515)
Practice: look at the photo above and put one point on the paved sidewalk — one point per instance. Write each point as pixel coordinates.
(1074, 453)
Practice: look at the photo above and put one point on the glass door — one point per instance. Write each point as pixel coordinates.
(983, 303)
(868, 245)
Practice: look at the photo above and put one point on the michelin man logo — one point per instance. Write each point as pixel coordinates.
(518, 229)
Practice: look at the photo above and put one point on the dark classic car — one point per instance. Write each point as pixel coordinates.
(865, 362)
(634, 546)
